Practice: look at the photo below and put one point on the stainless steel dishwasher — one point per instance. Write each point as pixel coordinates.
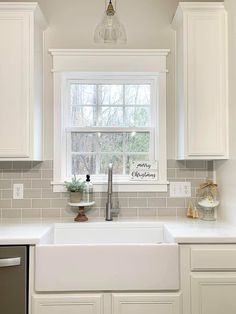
(13, 279)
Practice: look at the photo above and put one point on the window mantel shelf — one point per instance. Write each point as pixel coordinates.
(110, 52)
(121, 186)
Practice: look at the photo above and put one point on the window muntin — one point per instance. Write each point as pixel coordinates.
(109, 121)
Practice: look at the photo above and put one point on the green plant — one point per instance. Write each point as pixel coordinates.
(75, 185)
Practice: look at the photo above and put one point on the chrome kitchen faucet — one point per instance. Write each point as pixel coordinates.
(110, 211)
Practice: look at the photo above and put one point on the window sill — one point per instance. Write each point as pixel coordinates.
(122, 186)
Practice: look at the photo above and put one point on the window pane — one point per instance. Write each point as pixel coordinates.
(83, 116)
(130, 158)
(117, 161)
(111, 142)
(111, 94)
(83, 94)
(137, 142)
(137, 94)
(83, 142)
(137, 116)
(83, 164)
(111, 116)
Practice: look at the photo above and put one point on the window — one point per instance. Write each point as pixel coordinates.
(109, 120)
(116, 114)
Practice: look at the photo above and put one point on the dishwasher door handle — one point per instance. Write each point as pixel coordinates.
(6, 262)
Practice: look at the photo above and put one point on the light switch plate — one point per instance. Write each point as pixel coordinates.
(180, 189)
(18, 191)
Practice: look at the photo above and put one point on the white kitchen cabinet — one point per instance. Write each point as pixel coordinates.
(148, 303)
(213, 293)
(201, 80)
(21, 62)
(208, 278)
(213, 279)
(67, 304)
(106, 303)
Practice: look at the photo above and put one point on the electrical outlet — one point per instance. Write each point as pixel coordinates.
(180, 189)
(18, 191)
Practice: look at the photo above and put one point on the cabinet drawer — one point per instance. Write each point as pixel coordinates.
(213, 257)
(149, 303)
(67, 304)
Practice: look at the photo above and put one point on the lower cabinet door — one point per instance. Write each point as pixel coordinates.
(213, 293)
(68, 304)
(146, 303)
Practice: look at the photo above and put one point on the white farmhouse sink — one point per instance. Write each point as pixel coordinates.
(108, 256)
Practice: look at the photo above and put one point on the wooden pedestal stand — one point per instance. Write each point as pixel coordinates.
(81, 217)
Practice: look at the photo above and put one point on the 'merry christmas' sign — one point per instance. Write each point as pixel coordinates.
(143, 170)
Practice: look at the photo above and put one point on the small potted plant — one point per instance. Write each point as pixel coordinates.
(75, 187)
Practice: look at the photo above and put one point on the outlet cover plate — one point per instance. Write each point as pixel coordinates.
(18, 191)
(180, 189)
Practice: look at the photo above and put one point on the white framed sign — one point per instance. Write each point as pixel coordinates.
(144, 170)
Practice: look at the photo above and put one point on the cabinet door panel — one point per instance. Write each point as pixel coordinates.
(213, 293)
(14, 87)
(202, 84)
(67, 304)
(146, 303)
(205, 85)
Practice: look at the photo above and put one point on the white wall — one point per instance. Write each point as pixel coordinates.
(226, 170)
(72, 24)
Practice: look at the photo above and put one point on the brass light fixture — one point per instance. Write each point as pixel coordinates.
(110, 30)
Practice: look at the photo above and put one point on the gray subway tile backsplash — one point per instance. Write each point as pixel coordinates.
(138, 202)
(24, 203)
(5, 184)
(4, 204)
(197, 164)
(11, 174)
(176, 202)
(40, 202)
(11, 213)
(147, 212)
(6, 165)
(156, 202)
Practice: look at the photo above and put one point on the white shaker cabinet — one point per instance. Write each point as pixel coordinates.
(213, 293)
(21, 62)
(67, 304)
(107, 303)
(146, 303)
(201, 80)
(208, 278)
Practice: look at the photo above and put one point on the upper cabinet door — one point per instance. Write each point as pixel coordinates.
(14, 87)
(21, 37)
(201, 81)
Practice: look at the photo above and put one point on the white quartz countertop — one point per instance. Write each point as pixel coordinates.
(24, 234)
(181, 230)
(198, 231)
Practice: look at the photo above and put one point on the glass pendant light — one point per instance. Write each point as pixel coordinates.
(110, 30)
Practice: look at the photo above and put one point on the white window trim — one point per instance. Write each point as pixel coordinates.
(65, 61)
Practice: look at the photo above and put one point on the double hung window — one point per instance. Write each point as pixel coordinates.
(109, 106)
(110, 119)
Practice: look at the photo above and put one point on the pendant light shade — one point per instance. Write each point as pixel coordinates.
(110, 30)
